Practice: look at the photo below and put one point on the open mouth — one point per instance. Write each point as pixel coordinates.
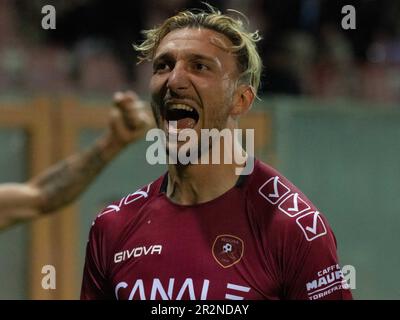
(185, 116)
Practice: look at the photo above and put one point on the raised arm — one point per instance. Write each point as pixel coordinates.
(65, 181)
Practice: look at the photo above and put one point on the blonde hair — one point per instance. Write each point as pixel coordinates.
(244, 42)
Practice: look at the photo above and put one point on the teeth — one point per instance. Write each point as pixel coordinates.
(180, 107)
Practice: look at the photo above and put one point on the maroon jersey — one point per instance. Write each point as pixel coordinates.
(262, 239)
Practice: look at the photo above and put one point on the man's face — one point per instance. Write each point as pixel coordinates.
(194, 80)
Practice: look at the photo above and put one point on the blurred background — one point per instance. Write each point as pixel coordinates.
(328, 118)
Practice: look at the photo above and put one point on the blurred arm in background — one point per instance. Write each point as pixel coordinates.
(66, 180)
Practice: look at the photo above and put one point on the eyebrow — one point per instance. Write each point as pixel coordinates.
(194, 56)
(189, 56)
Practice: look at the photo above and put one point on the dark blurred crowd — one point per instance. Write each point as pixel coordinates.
(305, 50)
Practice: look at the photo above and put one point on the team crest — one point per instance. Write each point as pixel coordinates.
(227, 250)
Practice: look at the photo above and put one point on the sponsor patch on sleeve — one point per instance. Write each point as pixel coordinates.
(326, 282)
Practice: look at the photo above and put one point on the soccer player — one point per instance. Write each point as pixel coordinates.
(200, 231)
(65, 181)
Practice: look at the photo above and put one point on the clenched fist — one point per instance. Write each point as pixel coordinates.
(130, 118)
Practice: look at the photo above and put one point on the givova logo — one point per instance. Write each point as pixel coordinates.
(137, 252)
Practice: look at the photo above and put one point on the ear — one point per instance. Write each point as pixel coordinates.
(242, 100)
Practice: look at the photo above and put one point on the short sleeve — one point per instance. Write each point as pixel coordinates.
(311, 269)
(94, 285)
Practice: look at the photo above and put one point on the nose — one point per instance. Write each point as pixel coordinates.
(178, 79)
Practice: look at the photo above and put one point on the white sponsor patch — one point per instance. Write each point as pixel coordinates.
(328, 281)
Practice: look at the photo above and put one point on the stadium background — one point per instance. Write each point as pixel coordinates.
(328, 119)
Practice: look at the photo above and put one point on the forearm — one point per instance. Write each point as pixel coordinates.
(62, 183)
(18, 202)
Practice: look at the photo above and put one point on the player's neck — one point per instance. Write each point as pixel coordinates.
(199, 183)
